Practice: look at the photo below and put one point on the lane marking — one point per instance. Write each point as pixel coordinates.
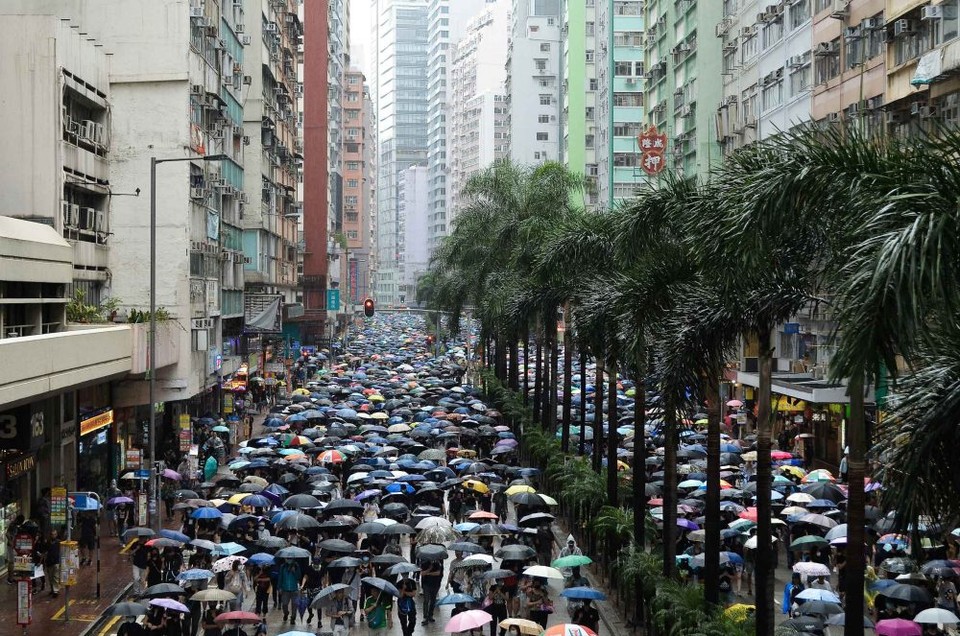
(109, 626)
(59, 614)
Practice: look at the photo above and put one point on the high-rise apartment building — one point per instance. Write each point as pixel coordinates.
(767, 70)
(359, 178)
(579, 67)
(682, 64)
(447, 21)
(413, 199)
(273, 34)
(339, 64)
(533, 85)
(477, 134)
(399, 83)
(619, 109)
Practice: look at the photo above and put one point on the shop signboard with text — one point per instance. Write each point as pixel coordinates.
(22, 428)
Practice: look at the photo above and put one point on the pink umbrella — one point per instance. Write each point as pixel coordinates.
(898, 627)
(171, 474)
(735, 404)
(465, 621)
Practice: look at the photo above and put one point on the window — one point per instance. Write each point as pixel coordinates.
(589, 113)
(593, 84)
(545, 47)
(542, 136)
(799, 13)
(545, 100)
(772, 32)
(772, 93)
(827, 66)
(543, 119)
(906, 47)
(589, 55)
(588, 141)
(823, 5)
(800, 78)
(729, 61)
(630, 100)
(748, 49)
(353, 183)
(541, 64)
(353, 165)
(623, 69)
(951, 19)
(590, 28)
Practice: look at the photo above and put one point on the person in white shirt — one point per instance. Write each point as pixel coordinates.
(371, 511)
(819, 583)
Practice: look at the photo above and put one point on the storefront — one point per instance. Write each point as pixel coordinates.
(16, 471)
(97, 465)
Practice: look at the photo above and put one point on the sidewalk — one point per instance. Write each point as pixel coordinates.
(84, 606)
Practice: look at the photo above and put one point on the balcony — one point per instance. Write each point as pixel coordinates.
(168, 345)
(54, 362)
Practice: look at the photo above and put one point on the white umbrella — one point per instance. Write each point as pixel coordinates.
(751, 543)
(800, 498)
(936, 615)
(544, 572)
(433, 522)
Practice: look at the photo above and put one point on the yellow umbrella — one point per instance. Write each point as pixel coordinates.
(238, 498)
(530, 628)
(376, 397)
(740, 612)
(476, 486)
(793, 470)
(467, 453)
(301, 391)
(512, 490)
(253, 479)
(622, 465)
(379, 415)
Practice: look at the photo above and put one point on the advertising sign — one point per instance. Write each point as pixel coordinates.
(69, 562)
(653, 146)
(227, 403)
(141, 509)
(186, 432)
(58, 506)
(132, 459)
(23, 561)
(22, 428)
(24, 602)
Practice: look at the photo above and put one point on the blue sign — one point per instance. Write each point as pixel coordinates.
(791, 327)
(333, 300)
(143, 473)
(308, 351)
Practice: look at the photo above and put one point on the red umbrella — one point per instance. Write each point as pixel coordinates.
(750, 514)
(248, 618)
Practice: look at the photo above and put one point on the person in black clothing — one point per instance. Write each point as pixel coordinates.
(51, 563)
(431, 577)
(154, 568)
(587, 615)
(310, 586)
(131, 628)
(407, 604)
(140, 559)
(88, 537)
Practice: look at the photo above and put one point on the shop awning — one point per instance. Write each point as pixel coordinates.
(803, 386)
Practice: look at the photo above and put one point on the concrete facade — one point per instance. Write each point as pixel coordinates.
(579, 150)
(683, 64)
(478, 131)
(399, 83)
(413, 203)
(448, 22)
(359, 181)
(534, 82)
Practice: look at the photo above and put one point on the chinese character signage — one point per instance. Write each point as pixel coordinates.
(58, 506)
(653, 147)
(186, 433)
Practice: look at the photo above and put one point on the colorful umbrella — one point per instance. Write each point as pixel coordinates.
(465, 621)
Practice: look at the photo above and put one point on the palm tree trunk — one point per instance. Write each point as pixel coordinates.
(514, 368)
(501, 359)
(537, 377)
(583, 401)
(639, 467)
(598, 417)
(526, 366)
(612, 473)
(856, 470)
(764, 569)
(554, 374)
(640, 456)
(670, 440)
(567, 386)
(711, 570)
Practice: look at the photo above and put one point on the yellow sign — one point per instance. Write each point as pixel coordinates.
(96, 422)
(227, 403)
(69, 562)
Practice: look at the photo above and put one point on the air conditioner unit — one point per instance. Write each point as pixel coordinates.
(762, 17)
(832, 117)
(289, 18)
(631, 81)
(722, 27)
(903, 27)
(839, 9)
(88, 219)
(70, 213)
(197, 89)
(211, 30)
(245, 40)
(219, 183)
(823, 48)
(730, 45)
(871, 23)
(874, 103)
(217, 133)
(772, 9)
(196, 12)
(931, 13)
(270, 27)
(92, 131)
(895, 117)
(746, 32)
(239, 28)
(237, 68)
(100, 221)
(246, 140)
(851, 33)
(686, 111)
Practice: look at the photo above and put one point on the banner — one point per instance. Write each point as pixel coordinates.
(186, 432)
(141, 509)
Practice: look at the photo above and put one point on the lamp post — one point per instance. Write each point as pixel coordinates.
(152, 348)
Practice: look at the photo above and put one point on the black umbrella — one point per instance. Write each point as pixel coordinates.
(516, 552)
(431, 552)
(301, 501)
(345, 562)
(468, 547)
(327, 592)
(343, 505)
(337, 545)
(398, 529)
(386, 559)
(401, 568)
(186, 494)
(824, 490)
(396, 509)
(370, 527)
(381, 584)
(272, 543)
(907, 593)
(161, 590)
(536, 519)
(293, 552)
(298, 521)
(499, 574)
(126, 609)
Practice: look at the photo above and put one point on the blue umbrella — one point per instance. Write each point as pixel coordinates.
(583, 592)
(206, 513)
(276, 489)
(453, 599)
(407, 488)
(273, 422)
(296, 417)
(195, 575)
(257, 501)
(176, 536)
(261, 558)
(228, 549)
(409, 478)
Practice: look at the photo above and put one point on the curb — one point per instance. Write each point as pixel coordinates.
(101, 620)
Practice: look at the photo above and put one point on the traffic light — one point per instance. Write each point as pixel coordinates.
(368, 308)
(430, 340)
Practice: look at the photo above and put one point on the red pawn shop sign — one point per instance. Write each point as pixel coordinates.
(653, 146)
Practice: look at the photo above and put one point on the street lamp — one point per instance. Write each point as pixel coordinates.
(152, 366)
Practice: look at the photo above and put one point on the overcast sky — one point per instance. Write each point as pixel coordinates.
(360, 33)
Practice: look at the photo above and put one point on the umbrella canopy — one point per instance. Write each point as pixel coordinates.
(569, 629)
(465, 621)
(170, 604)
(453, 599)
(162, 589)
(572, 561)
(381, 584)
(243, 618)
(583, 592)
(526, 627)
(907, 593)
(543, 571)
(213, 594)
(898, 627)
(936, 615)
(126, 609)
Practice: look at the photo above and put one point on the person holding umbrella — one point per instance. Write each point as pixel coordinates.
(407, 604)
(431, 577)
(495, 604)
(261, 585)
(341, 613)
(378, 610)
(288, 582)
(587, 615)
